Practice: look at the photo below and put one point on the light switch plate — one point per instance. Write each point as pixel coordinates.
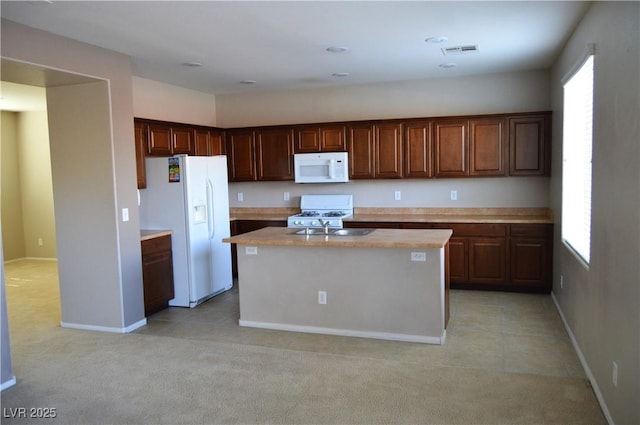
(125, 214)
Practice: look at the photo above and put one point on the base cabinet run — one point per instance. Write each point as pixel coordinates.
(157, 273)
(506, 257)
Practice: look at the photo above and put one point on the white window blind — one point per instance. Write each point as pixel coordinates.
(577, 137)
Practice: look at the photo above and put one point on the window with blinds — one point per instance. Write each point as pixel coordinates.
(577, 137)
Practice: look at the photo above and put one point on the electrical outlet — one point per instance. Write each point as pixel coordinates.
(322, 297)
(614, 377)
(125, 214)
(251, 250)
(397, 195)
(286, 196)
(454, 195)
(419, 256)
(40, 242)
(240, 196)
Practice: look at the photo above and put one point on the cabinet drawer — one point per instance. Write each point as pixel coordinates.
(529, 230)
(474, 229)
(154, 245)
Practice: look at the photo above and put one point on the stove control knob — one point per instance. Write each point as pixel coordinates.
(314, 223)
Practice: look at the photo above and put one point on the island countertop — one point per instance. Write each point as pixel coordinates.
(379, 238)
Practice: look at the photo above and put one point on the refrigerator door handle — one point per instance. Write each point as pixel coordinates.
(210, 218)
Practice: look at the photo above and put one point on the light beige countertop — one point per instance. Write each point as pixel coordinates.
(379, 238)
(146, 234)
(415, 215)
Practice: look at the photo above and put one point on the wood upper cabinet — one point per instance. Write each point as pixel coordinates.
(361, 151)
(326, 138)
(208, 142)
(167, 140)
(140, 139)
(417, 149)
(487, 147)
(375, 150)
(274, 153)
(388, 150)
(529, 145)
(451, 147)
(240, 154)
(159, 140)
(182, 140)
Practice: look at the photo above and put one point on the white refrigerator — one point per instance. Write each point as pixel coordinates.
(190, 195)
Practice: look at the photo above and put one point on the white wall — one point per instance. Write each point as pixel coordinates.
(486, 94)
(35, 181)
(601, 303)
(88, 201)
(164, 102)
(11, 196)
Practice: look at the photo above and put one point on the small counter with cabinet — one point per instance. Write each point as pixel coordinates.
(157, 269)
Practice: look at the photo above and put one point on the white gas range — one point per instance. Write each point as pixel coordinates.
(322, 210)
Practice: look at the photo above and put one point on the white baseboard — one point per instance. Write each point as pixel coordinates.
(8, 384)
(15, 260)
(585, 365)
(83, 327)
(346, 332)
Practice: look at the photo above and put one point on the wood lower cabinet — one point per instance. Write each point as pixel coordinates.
(510, 257)
(157, 273)
(531, 256)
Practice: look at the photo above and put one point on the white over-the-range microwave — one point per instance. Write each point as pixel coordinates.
(322, 167)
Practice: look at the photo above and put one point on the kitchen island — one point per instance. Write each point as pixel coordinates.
(389, 284)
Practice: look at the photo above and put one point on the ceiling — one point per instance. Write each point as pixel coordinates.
(282, 45)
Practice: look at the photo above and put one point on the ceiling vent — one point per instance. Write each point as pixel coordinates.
(459, 50)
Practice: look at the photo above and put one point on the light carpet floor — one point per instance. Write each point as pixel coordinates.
(141, 378)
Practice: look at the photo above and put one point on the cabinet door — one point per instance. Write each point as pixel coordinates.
(333, 138)
(528, 146)
(157, 273)
(361, 152)
(159, 141)
(202, 140)
(487, 146)
(417, 149)
(458, 252)
(208, 142)
(216, 142)
(488, 260)
(240, 151)
(531, 256)
(182, 140)
(140, 139)
(388, 151)
(274, 154)
(451, 148)
(307, 140)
